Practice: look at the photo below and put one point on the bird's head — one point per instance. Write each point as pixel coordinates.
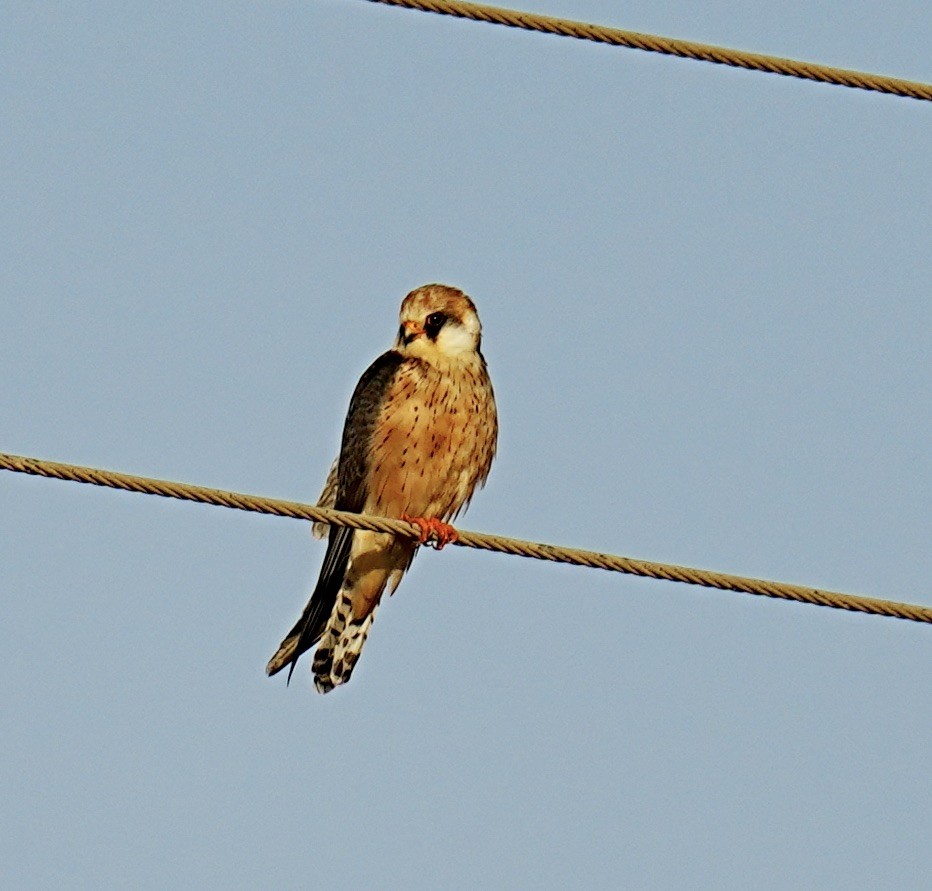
(438, 323)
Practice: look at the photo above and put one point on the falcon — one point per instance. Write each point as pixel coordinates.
(419, 437)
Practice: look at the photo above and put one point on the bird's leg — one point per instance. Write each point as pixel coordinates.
(444, 533)
(433, 531)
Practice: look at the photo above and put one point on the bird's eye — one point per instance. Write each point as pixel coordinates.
(433, 323)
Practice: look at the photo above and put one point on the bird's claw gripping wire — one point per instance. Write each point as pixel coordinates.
(433, 532)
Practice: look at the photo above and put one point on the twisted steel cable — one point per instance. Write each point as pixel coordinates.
(483, 541)
(670, 46)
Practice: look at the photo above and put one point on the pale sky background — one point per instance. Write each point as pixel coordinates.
(705, 295)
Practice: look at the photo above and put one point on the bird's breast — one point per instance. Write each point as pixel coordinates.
(433, 442)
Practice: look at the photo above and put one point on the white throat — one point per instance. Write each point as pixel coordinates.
(455, 340)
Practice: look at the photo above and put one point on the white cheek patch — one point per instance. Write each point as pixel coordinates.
(454, 340)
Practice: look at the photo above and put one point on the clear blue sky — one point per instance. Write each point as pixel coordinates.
(706, 303)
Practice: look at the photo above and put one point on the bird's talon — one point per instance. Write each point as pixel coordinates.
(432, 532)
(444, 534)
(423, 527)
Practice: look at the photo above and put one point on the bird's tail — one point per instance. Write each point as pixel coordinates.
(300, 639)
(340, 646)
(283, 655)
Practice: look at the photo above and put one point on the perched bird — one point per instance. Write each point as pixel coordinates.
(419, 436)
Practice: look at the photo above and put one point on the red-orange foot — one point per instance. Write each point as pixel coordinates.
(433, 531)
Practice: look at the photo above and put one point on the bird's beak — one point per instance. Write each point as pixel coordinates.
(410, 330)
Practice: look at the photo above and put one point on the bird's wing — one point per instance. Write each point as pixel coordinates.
(328, 498)
(352, 491)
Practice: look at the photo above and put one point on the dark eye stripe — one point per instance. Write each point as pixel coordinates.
(433, 323)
